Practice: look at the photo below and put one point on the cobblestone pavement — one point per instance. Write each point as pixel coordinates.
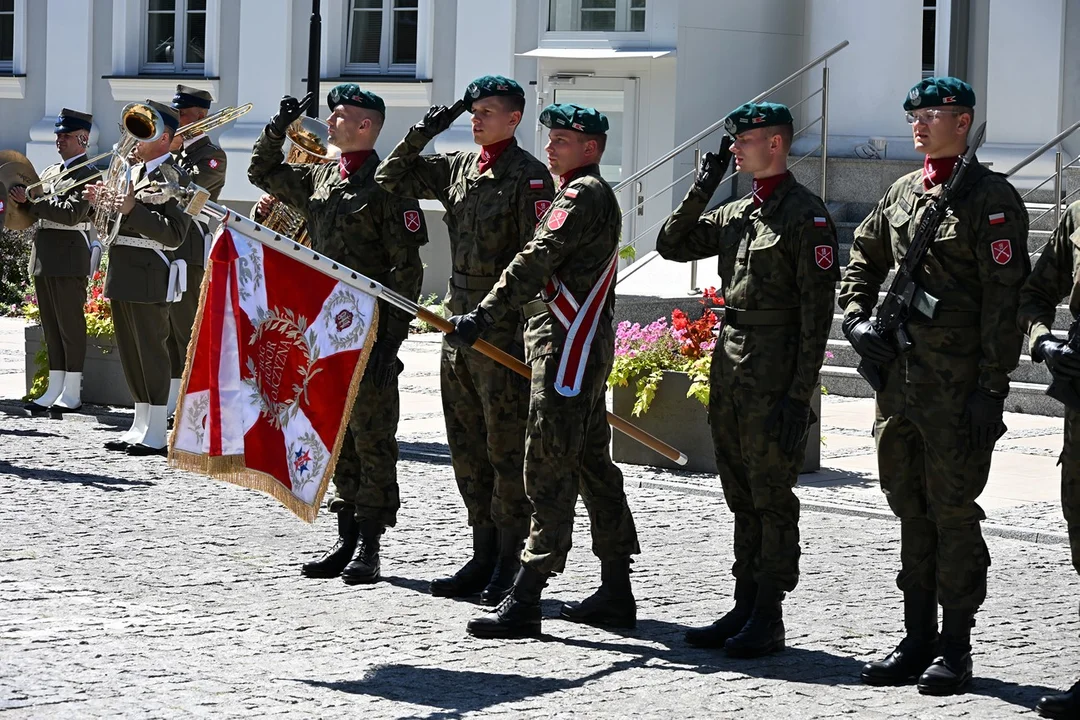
(130, 589)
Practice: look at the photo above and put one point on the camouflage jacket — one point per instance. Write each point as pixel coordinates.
(205, 163)
(62, 253)
(489, 216)
(975, 267)
(353, 221)
(781, 256)
(576, 238)
(1056, 275)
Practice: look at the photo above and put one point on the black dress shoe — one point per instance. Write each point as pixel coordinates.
(117, 445)
(57, 413)
(140, 450)
(34, 410)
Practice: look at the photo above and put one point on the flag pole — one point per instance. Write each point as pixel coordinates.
(197, 200)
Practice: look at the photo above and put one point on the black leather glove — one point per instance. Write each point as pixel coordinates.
(469, 327)
(713, 168)
(383, 365)
(439, 118)
(984, 412)
(789, 422)
(1061, 360)
(860, 332)
(289, 111)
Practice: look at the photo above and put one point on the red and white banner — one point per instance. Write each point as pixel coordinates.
(277, 353)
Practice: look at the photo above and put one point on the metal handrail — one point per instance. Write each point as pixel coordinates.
(1043, 148)
(719, 123)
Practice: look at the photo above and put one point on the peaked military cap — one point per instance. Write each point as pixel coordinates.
(167, 112)
(71, 120)
(189, 97)
(574, 117)
(491, 86)
(938, 92)
(752, 116)
(351, 94)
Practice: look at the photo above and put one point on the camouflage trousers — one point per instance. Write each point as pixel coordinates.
(486, 406)
(182, 321)
(366, 474)
(932, 479)
(1070, 482)
(567, 454)
(758, 480)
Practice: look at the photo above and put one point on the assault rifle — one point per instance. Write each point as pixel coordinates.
(905, 298)
(1064, 390)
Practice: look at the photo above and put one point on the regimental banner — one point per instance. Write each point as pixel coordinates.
(276, 357)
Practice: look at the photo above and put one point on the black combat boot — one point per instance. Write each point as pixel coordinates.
(951, 671)
(716, 634)
(916, 651)
(1063, 705)
(364, 567)
(506, 569)
(763, 633)
(473, 575)
(334, 561)
(613, 604)
(518, 615)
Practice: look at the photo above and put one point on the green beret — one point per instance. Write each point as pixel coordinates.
(939, 91)
(752, 116)
(351, 94)
(574, 117)
(491, 86)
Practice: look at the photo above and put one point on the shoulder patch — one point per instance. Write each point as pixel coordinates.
(213, 163)
(996, 218)
(820, 221)
(1001, 251)
(536, 184)
(570, 193)
(541, 207)
(412, 220)
(823, 256)
(557, 218)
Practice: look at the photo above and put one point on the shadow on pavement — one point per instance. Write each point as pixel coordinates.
(415, 584)
(1024, 696)
(101, 482)
(435, 453)
(29, 433)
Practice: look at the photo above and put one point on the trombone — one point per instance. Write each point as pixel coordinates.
(223, 116)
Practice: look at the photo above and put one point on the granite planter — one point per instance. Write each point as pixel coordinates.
(103, 376)
(683, 423)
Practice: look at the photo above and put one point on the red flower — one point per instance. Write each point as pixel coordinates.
(679, 320)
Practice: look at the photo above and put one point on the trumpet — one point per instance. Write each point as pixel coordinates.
(212, 122)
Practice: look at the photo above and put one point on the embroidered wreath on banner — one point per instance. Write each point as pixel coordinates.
(196, 415)
(348, 321)
(287, 354)
(249, 271)
(307, 458)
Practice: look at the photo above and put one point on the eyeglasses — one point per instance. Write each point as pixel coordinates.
(927, 117)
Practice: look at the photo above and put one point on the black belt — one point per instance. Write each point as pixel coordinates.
(534, 308)
(951, 319)
(747, 318)
(473, 282)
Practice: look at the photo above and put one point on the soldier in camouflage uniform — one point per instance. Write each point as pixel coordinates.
(205, 163)
(352, 220)
(777, 256)
(1057, 275)
(493, 200)
(63, 254)
(940, 410)
(572, 258)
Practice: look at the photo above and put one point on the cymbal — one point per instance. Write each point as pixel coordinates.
(15, 170)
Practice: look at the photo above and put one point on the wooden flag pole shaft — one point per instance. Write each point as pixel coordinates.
(354, 279)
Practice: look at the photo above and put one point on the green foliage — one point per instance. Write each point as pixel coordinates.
(435, 305)
(14, 269)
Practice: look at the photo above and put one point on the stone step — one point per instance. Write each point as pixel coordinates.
(1023, 397)
(843, 355)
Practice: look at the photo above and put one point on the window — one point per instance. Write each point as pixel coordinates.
(929, 37)
(175, 36)
(596, 15)
(382, 37)
(7, 35)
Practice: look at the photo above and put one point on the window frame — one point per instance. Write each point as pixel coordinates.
(623, 14)
(14, 66)
(386, 39)
(180, 65)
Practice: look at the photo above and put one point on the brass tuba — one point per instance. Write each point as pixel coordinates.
(310, 144)
(138, 123)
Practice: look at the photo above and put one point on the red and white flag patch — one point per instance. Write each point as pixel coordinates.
(536, 184)
(557, 218)
(412, 220)
(571, 193)
(541, 207)
(997, 218)
(823, 256)
(1002, 251)
(821, 222)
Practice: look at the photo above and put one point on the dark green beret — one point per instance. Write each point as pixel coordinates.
(351, 94)
(752, 116)
(574, 117)
(491, 86)
(939, 91)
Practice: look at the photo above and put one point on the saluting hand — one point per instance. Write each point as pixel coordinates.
(289, 111)
(438, 118)
(713, 168)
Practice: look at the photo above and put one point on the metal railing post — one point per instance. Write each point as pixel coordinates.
(693, 263)
(824, 129)
(1057, 188)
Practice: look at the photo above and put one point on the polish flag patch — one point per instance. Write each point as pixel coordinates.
(412, 220)
(570, 193)
(213, 163)
(541, 207)
(823, 256)
(1002, 251)
(536, 184)
(821, 222)
(558, 217)
(997, 218)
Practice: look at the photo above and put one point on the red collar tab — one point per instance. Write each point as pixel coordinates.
(490, 153)
(763, 188)
(937, 171)
(350, 162)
